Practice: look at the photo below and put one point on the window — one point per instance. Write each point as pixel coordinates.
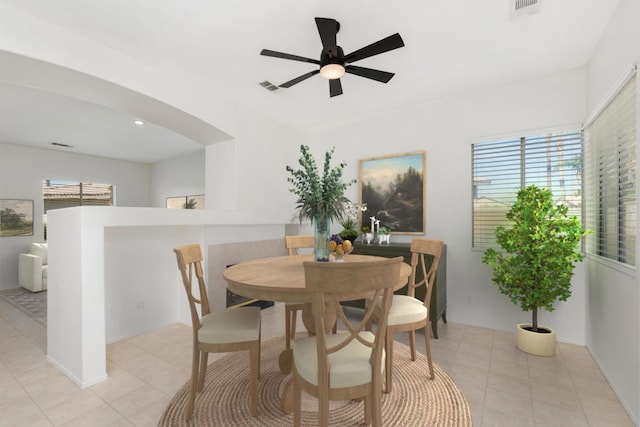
(65, 194)
(610, 173)
(501, 168)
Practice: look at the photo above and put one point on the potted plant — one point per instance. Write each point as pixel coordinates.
(320, 197)
(349, 229)
(384, 235)
(367, 235)
(535, 269)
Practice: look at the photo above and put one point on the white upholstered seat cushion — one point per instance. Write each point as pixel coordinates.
(232, 325)
(404, 309)
(348, 367)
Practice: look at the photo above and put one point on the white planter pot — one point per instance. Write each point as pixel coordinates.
(536, 343)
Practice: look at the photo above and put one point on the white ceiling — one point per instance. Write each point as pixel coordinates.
(450, 46)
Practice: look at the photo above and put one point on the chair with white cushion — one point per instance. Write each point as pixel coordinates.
(407, 313)
(346, 365)
(235, 329)
(33, 268)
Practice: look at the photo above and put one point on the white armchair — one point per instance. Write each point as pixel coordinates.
(32, 268)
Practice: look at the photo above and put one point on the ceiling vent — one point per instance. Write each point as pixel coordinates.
(520, 8)
(269, 86)
(60, 144)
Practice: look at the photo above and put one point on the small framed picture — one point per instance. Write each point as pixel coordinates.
(16, 217)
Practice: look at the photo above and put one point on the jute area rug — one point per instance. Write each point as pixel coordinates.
(415, 400)
(34, 304)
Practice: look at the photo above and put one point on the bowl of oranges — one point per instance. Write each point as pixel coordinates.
(339, 247)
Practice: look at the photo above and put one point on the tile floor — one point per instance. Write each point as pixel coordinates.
(504, 387)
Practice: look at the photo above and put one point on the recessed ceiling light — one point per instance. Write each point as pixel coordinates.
(138, 122)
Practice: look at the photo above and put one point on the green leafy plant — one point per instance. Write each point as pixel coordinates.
(189, 204)
(383, 231)
(318, 195)
(349, 229)
(540, 250)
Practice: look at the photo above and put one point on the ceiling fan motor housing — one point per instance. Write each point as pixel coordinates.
(332, 55)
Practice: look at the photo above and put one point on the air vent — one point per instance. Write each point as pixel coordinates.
(60, 144)
(520, 8)
(269, 86)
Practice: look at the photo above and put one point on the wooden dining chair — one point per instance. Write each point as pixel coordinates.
(221, 331)
(349, 364)
(408, 313)
(294, 244)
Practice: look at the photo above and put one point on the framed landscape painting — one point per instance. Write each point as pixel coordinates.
(393, 188)
(16, 217)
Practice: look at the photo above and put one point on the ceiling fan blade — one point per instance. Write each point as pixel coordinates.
(381, 46)
(300, 78)
(273, 53)
(327, 28)
(369, 73)
(335, 87)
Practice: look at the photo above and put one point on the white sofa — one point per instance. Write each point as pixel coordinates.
(32, 268)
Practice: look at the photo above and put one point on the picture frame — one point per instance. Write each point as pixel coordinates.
(16, 217)
(394, 190)
(186, 202)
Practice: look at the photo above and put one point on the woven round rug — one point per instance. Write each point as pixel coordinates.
(415, 400)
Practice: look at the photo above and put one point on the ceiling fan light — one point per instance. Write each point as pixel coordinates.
(332, 71)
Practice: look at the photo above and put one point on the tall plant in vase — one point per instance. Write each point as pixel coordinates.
(535, 266)
(320, 197)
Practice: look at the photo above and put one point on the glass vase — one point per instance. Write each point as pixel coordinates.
(321, 225)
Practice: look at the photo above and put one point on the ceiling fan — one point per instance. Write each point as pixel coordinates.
(334, 63)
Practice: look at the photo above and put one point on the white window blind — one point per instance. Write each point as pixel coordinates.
(501, 168)
(610, 177)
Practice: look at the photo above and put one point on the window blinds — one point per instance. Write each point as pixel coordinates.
(610, 171)
(502, 168)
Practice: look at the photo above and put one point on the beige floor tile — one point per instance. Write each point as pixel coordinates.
(146, 370)
(510, 368)
(471, 358)
(557, 391)
(552, 416)
(599, 422)
(103, 415)
(52, 391)
(18, 409)
(119, 382)
(554, 364)
(466, 374)
(131, 403)
(73, 406)
(516, 385)
(603, 405)
(505, 409)
(475, 396)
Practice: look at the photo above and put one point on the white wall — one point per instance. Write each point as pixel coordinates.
(445, 130)
(22, 170)
(613, 296)
(248, 174)
(177, 177)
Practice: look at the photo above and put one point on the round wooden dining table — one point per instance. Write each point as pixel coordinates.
(282, 279)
